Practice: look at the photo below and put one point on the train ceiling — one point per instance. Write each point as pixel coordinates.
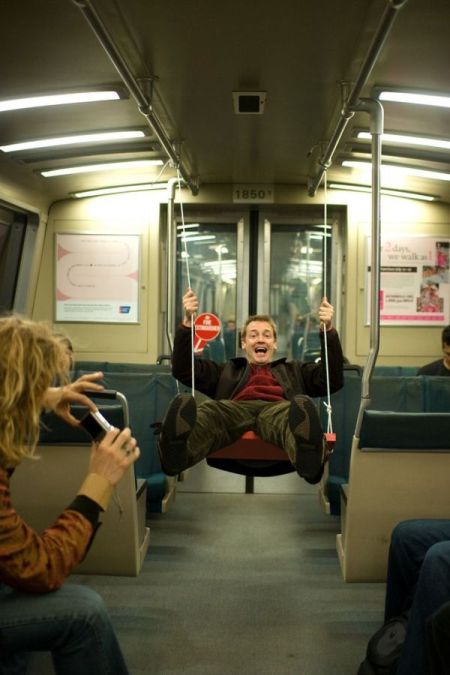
(293, 64)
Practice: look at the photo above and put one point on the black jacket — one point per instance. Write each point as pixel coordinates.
(224, 380)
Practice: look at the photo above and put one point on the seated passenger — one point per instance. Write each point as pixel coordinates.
(441, 366)
(438, 641)
(271, 398)
(38, 613)
(418, 584)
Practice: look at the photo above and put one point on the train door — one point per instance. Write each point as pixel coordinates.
(300, 256)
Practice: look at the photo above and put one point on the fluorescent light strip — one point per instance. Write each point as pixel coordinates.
(416, 99)
(409, 140)
(73, 140)
(140, 187)
(384, 191)
(57, 99)
(110, 166)
(408, 170)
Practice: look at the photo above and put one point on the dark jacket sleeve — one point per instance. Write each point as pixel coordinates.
(314, 374)
(206, 373)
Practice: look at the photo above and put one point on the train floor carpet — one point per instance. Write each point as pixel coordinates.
(240, 584)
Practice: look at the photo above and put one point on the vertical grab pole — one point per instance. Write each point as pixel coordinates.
(170, 257)
(376, 112)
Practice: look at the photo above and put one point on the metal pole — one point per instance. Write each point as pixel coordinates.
(375, 109)
(170, 254)
(132, 84)
(348, 109)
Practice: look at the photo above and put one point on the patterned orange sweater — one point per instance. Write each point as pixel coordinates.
(39, 563)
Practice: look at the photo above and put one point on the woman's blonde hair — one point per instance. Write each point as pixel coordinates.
(31, 357)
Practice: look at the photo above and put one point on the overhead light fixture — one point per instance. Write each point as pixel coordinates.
(384, 191)
(415, 98)
(400, 169)
(78, 139)
(119, 189)
(404, 139)
(108, 166)
(58, 99)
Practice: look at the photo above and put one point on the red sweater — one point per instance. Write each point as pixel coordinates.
(260, 385)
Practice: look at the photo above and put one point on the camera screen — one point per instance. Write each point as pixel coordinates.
(96, 425)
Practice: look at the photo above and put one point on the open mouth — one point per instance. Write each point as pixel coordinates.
(260, 350)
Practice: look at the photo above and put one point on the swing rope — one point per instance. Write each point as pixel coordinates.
(188, 275)
(326, 403)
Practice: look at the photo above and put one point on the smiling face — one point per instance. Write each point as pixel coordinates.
(259, 342)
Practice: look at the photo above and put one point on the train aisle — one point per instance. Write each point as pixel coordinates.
(241, 584)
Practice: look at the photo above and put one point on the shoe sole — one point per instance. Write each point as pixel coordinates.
(175, 430)
(309, 440)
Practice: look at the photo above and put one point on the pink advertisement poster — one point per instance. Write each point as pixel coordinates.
(414, 281)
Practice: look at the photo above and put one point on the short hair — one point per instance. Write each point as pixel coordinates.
(446, 336)
(31, 357)
(260, 317)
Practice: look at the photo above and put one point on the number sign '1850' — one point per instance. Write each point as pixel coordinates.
(252, 193)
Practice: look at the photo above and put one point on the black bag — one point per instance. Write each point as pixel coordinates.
(384, 648)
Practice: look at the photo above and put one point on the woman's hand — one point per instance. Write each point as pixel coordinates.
(113, 455)
(59, 399)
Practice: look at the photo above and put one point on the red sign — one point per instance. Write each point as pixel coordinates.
(207, 327)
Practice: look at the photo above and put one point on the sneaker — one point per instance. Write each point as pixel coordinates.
(175, 429)
(311, 449)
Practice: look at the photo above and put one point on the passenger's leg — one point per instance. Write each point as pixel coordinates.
(189, 433)
(438, 641)
(71, 623)
(432, 591)
(410, 540)
(295, 426)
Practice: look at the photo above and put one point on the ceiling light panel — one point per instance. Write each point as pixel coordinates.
(404, 139)
(79, 139)
(119, 189)
(109, 166)
(413, 98)
(58, 99)
(408, 170)
(384, 191)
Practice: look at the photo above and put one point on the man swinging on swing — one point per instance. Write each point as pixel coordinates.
(271, 398)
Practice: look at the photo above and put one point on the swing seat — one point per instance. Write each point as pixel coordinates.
(250, 446)
(251, 456)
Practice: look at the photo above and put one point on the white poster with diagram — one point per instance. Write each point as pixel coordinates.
(414, 281)
(97, 278)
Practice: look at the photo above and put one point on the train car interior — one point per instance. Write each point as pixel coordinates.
(265, 156)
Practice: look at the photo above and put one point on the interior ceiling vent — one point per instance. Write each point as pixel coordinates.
(249, 102)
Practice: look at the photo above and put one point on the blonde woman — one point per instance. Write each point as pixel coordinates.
(38, 613)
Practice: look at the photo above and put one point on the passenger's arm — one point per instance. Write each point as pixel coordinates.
(59, 399)
(326, 313)
(190, 307)
(206, 372)
(314, 374)
(39, 563)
